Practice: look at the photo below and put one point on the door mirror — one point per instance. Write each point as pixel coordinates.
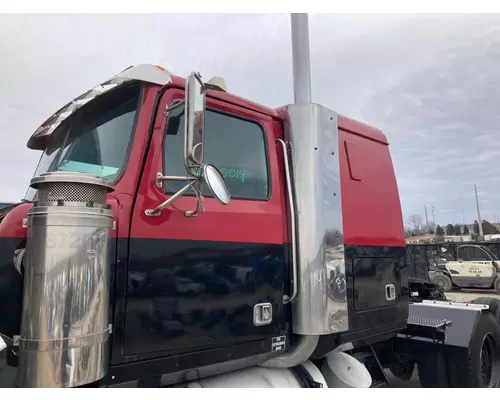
(215, 182)
(194, 125)
(197, 172)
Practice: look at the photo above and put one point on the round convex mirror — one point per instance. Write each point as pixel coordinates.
(213, 178)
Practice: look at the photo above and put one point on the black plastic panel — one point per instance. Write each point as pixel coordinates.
(372, 278)
(376, 313)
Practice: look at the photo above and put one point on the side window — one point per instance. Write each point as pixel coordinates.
(237, 147)
(478, 254)
(463, 254)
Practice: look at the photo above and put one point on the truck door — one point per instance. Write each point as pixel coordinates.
(194, 282)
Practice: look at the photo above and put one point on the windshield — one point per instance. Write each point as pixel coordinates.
(95, 141)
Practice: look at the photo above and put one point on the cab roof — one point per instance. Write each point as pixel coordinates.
(160, 76)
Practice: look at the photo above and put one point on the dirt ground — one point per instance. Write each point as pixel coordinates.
(467, 295)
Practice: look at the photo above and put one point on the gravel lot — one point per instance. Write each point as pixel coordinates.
(467, 295)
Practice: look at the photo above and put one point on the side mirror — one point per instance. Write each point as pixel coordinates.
(194, 125)
(197, 172)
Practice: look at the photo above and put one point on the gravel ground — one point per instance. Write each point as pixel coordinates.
(467, 295)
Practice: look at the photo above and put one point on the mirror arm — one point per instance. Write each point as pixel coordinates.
(187, 166)
(160, 178)
(156, 211)
(175, 104)
(199, 205)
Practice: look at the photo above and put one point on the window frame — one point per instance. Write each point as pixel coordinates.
(210, 195)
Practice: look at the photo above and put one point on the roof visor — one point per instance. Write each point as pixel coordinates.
(142, 72)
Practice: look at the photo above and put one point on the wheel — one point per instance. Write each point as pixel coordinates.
(443, 281)
(478, 366)
(401, 366)
(493, 303)
(431, 367)
(496, 285)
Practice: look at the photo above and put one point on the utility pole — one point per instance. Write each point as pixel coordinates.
(479, 221)
(462, 208)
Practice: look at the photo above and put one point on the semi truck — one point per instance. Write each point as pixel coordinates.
(177, 235)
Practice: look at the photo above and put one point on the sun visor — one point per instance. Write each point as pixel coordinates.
(143, 72)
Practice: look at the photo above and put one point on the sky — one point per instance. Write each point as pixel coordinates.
(430, 82)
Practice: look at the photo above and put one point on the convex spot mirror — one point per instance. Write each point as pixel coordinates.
(215, 182)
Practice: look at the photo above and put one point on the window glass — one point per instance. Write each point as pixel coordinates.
(477, 254)
(463, 253)
(96, 141)
(235, 146)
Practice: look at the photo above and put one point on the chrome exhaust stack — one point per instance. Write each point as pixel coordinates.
(65, 327)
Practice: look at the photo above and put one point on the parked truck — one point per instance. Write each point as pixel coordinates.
(175, 234)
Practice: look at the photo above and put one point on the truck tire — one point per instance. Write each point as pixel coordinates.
(401, 366)
(493, 303)
(478, 366)
(496, 285)
(431, 367)
(443, 281)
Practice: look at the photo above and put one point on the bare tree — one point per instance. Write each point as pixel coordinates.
(416, 223)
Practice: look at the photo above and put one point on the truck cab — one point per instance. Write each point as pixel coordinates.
(199, 285)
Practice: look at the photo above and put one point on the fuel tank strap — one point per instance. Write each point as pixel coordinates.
(65, 343)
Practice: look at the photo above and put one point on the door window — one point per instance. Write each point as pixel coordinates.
(477, 254)
(234, 145)
(463, 253)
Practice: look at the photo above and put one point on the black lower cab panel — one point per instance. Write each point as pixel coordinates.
(377, 286)
(196, 365)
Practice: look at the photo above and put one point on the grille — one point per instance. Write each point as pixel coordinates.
(51, 192)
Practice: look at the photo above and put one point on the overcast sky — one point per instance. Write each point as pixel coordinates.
(431, 83)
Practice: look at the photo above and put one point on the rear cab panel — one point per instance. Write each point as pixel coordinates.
(373, 229)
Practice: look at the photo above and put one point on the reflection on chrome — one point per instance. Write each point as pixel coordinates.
(65, 323)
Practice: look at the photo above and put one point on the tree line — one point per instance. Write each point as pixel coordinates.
(416, 227)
